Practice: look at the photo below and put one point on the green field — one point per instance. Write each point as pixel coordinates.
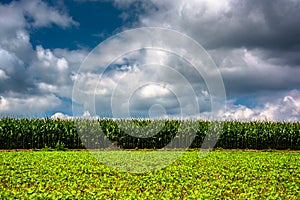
(219, 175)
(140, 171)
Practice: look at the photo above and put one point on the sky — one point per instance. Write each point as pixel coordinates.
(254, 46)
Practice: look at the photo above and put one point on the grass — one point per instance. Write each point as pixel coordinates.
(219, 175)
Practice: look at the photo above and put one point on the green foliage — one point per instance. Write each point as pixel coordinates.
(60, 146)
(37, 133)
(219, 175)
(47, 149)
(78, 133)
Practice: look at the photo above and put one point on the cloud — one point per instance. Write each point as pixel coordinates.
(60, 115)
(226, 22)
(40, 14)
(254, 44)
(14, 70)
(30, 105)
(282, 107)
(54, 71)
(17, 20)
(248, 71)
(33, 79)
(17, 17)
(57, 67)
(132, 85)
(152, 91)
(36, 13)
(3, 75)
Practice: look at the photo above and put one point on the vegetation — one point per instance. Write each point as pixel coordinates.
(219, 175)
(51, 171)
(78, 133)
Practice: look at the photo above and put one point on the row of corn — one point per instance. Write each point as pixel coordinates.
(27, 133)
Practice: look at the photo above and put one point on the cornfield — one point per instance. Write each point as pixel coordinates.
(80, 133)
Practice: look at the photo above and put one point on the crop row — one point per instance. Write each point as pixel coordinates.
(219, 175)
(132, 133)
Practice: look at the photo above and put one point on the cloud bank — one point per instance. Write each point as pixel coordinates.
(255, 45)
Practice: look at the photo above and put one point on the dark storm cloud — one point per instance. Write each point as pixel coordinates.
(255, 71)
(255, 23)
(283, 57)
(236, 23)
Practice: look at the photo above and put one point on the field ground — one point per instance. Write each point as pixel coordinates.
(222, 174)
